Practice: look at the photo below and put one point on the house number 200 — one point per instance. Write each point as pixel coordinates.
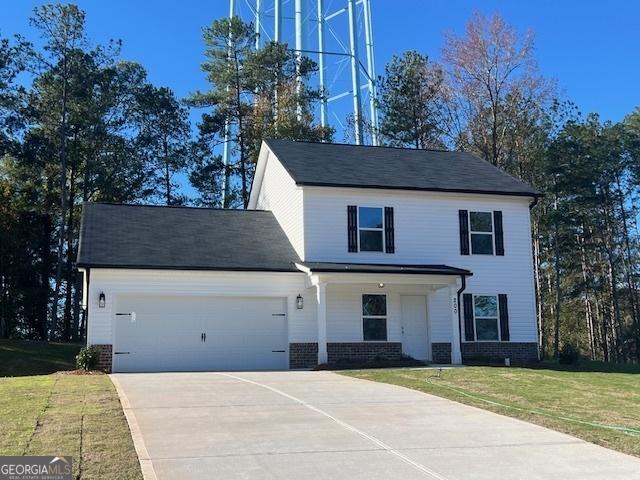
(455, 305)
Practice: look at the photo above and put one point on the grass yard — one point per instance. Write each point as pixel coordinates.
(591, 393)
(20, 357)
(62, 414)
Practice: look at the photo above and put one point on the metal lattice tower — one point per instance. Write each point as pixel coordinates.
(332, 33)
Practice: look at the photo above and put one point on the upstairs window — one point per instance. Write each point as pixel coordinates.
(374, 318)
(371, 229)
(481, 233)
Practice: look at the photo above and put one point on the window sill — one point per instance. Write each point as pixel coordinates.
(486, 341)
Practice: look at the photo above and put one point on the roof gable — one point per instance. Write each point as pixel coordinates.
(341, 165)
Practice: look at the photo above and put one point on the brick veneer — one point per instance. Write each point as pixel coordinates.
(104, 357)
(441, 352)
(363, 351)
(303, 355)
(516, 351)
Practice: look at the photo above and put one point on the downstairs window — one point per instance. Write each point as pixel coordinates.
(374, 318)
(485, 312)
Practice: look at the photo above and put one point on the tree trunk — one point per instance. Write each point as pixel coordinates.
(558, 288)
(537, 286)
(69, 271)
(167, 170)
(241, 142)
(628, 269)
(62, 153)
(588, 310)
(612, 278)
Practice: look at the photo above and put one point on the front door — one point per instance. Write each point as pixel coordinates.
(415, 341)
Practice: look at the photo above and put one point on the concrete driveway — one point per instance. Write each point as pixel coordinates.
(320, 425)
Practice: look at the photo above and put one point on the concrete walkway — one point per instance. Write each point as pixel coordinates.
(324, 426)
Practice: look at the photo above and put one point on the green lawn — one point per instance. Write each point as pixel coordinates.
(19, 357)
(591, 393)
(62, 414)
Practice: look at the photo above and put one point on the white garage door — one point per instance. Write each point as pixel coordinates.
(186, 333)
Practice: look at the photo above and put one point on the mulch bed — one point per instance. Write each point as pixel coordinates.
(80, 372)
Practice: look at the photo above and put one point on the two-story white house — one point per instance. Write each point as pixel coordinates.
(346, 253)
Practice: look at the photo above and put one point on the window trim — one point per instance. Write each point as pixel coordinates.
(492, 233)
(386, 317)
(475, 329)
(367, 229)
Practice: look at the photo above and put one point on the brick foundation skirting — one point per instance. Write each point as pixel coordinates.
(515, 351)
(104, 357)
(303, 355)
(363, 351)
(441, 352)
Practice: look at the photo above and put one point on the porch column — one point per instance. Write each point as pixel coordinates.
(456, 355)
(321, 292)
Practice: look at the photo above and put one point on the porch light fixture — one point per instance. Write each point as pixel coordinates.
(381, 285)
(299, 302)
(102, 300)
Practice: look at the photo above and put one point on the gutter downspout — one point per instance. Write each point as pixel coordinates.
(86, 307)
(463, 279)
(536, 286)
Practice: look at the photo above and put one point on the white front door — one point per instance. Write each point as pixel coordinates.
(415, 341)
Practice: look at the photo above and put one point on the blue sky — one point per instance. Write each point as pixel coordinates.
(592, 48)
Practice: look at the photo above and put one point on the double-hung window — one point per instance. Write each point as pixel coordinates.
(371, 229)
(486, 317)
(374, 317)
(481, 233)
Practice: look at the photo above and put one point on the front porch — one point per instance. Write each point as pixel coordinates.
(367, 312)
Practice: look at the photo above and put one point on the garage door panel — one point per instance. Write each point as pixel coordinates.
(247, 333)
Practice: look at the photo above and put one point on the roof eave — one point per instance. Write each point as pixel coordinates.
(420, 189)
(292, 269)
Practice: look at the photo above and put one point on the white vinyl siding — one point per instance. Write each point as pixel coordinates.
(427, 232)
(279, 193)
(302, 326)
(344, 311)
(439, 311)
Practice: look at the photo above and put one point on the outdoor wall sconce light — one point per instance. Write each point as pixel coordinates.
(102, 300)
(299, 302)
(381, 285)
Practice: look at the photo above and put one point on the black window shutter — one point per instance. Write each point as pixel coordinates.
(467, 302)
(464, 232)
(389, 231)
(498, 234)
(352, 228)
(504, 317)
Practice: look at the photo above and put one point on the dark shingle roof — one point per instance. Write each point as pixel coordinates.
(136, 236)
(340, 165)
(329, 267)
